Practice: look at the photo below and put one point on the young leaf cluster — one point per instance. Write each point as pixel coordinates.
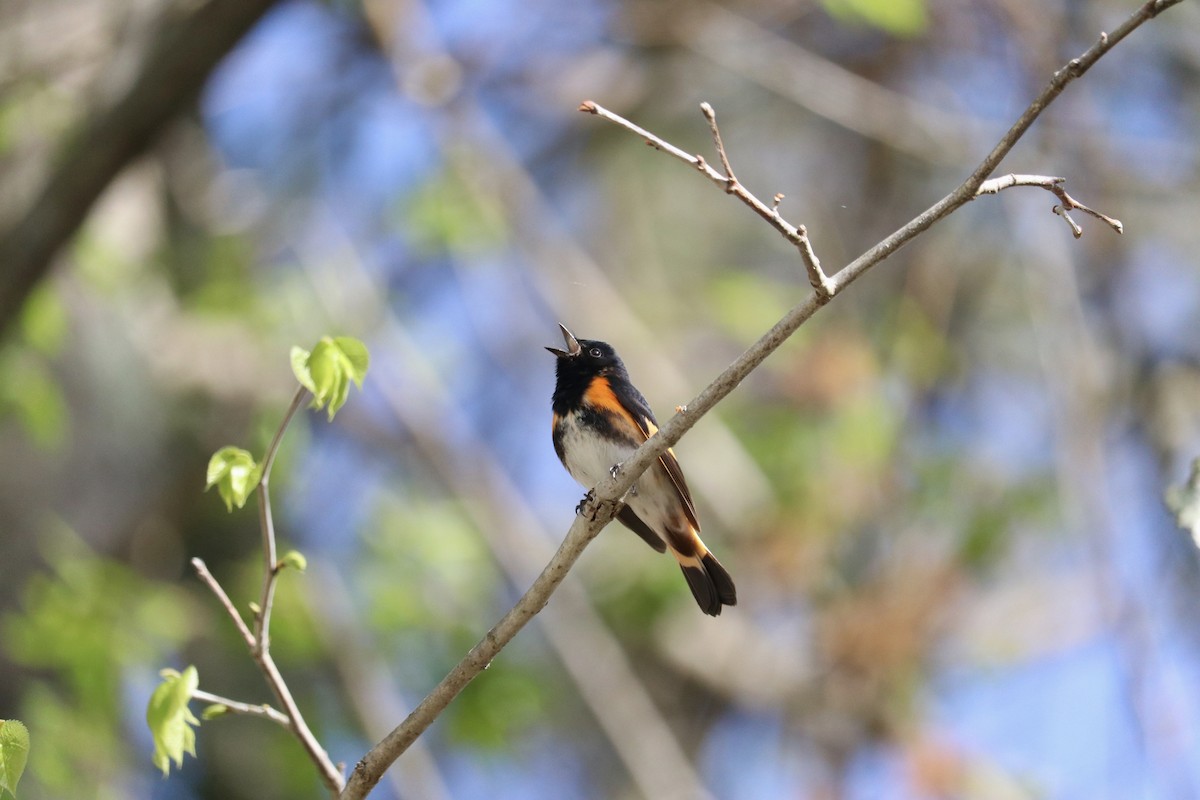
(170, 720)
(235, 473)
(329, 369)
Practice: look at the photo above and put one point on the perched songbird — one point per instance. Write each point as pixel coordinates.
(600, 418)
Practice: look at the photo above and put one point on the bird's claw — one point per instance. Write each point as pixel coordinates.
(614, 469)
(587, 498)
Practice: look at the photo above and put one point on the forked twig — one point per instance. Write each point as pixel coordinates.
(797, 235)
(259, 640)
(1054, 186)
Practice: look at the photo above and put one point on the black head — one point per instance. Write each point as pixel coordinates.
(582, 360)
(586, 355)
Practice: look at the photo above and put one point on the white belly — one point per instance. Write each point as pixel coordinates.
(653, 497)
(589, 458)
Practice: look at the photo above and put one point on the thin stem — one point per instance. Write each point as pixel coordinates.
(262, 627)
(711, 116)
(208, 579)
(331, 776)
(264, 711)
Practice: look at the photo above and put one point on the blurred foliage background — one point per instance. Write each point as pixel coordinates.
(941, 500)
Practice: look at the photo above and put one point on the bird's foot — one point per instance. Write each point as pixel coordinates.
(614, 469)
(581, 509)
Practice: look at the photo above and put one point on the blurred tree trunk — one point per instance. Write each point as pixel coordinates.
(187, 43)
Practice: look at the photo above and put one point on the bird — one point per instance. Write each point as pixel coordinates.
(599, 420)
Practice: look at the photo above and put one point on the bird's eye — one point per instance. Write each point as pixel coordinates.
(594, 352)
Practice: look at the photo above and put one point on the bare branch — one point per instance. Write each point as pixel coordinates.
(1053, 185)
(263, 710)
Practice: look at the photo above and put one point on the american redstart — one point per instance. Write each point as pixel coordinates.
(600, 418)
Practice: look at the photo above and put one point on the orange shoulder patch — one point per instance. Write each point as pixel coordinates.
(600, 395)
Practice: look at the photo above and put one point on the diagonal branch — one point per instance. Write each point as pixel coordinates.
(601, 504)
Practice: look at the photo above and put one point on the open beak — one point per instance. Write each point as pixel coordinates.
(573, 347)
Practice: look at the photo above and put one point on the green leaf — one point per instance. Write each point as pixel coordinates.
(14, 749)
(358, 360)
(169, 719)
(214, 711)
(329, 369)
(1184, 503)
(299, 358)
(897, 17)
(235, 473)
(295, 560)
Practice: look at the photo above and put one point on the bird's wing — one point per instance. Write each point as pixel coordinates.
(637, 407)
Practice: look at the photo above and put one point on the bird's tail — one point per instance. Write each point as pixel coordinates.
(710, 583)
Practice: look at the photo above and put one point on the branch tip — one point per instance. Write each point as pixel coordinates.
(588, 107)
(1076, 231)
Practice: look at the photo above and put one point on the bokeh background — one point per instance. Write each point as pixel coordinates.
(941, 499)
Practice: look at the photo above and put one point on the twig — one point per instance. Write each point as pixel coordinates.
(711, 116)
(264, 711)
(1054, 186)
(262, 627)
(797, 235)
(206, 576)
(600, 506)
(331, 776)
